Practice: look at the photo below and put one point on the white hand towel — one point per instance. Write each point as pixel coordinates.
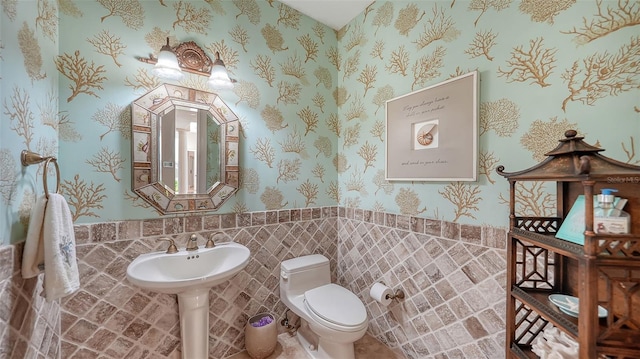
(61, 275)
(33, 254)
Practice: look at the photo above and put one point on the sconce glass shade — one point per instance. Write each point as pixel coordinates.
(167, 66)
(219, 79)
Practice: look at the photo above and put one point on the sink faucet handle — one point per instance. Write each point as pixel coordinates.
(172, 245)
(210, 242)
(192, 243)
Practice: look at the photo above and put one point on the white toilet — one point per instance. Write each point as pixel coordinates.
(332, 317)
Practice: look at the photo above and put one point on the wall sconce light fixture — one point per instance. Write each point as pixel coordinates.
(167, 66)
(189, 57)
(219, 78)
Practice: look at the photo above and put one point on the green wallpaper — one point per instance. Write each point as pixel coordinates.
(276, 82)
(312, 101)
(544, 66)
(29, 108)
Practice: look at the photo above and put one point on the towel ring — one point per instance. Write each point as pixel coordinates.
(31, 158)
(44, 176)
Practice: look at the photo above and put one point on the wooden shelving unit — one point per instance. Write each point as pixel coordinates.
(604, 271)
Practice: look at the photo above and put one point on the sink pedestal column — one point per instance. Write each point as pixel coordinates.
(194, 323)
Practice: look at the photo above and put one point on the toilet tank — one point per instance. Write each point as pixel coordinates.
(297, 275)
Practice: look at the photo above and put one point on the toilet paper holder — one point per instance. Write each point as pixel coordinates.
(397, 294)
(384, 295)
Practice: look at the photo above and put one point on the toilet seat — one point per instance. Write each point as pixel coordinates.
(336, 307)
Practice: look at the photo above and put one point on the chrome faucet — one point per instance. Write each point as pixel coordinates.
(192, 244)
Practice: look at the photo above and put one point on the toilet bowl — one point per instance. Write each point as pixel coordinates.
(332, 317)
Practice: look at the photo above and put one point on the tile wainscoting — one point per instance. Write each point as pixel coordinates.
(29, 325)
(453, 276)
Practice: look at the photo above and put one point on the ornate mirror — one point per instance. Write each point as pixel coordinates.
(184, 149)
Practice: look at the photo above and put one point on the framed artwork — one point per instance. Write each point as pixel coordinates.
(432, 133)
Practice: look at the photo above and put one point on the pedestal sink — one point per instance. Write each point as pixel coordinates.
(190, 275)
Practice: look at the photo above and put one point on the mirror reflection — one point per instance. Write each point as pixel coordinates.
(184, 149)
(189, 144)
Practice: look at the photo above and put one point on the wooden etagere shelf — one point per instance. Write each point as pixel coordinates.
(603, 271)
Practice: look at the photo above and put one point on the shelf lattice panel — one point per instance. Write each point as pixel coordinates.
(535, 266)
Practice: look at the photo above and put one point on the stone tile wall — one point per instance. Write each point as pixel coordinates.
(29, 325)
(453, 277)
(110, 318)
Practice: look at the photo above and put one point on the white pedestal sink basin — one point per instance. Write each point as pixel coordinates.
(190, 275)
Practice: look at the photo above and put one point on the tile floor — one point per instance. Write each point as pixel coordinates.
(289, 348)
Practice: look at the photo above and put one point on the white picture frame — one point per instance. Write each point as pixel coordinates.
(432, 134)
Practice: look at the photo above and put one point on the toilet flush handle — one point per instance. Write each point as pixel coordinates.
(284, 275)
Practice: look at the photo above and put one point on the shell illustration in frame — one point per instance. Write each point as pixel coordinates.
(425, 135)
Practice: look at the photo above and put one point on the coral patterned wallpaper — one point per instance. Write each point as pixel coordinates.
(311, 101)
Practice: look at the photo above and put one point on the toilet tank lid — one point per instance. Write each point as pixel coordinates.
(304, 262)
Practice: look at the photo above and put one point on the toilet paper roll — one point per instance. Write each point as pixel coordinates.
(381, 294)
